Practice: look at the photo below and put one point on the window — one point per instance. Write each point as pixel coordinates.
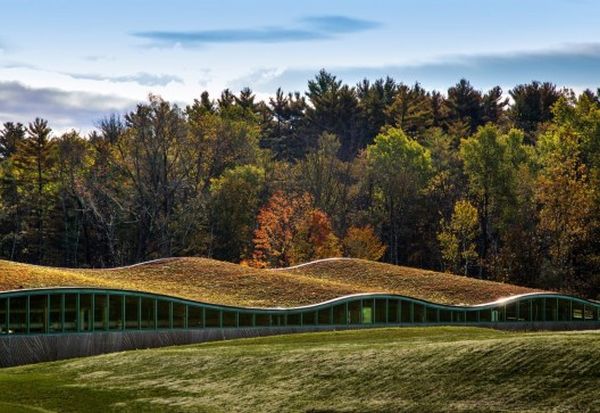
(471, 316)
(85, 312)
(70, 312)
(324, 316)
(293, 319)
(485, 315)
(178, 315)
(229, 319)
(55, 313)
(147, 315)
(213, 317)
(18, 315)
(564, 310)
(3, 320)
(245, 319)
(100, 311)
(511, 311)
(392, 312)
(339, 314)
(406, 312)
(131, 312)
(38, 313)
(445, 316)
(264, 320)
(525, 310)
(380, 311)
(431, 314)
(458, 316)
(354, 312)
(308, 318)
(115, 312)
(195, 317)
(277, 319)
(588, 313)
(163, 314)
(498, 314)
(537, 309)
(577, 310)
(418, 313)
(367, 311)
(551, 309)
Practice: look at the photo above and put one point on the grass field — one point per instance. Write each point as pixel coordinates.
(225, 283)
(410, 369)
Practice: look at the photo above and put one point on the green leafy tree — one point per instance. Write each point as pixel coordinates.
(399, 168)
(34, 161)
(457, 238)
(235, 199)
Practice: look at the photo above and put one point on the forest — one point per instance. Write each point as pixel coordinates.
(484, 183)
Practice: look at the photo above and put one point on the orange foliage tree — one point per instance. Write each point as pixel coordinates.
(291, 231)
(362, 242)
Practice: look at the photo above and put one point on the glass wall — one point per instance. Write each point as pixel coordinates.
(80, 311)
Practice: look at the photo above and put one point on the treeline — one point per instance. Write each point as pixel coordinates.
(462, 181)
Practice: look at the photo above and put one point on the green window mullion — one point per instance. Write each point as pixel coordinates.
(531, 310)
(412, 312)
(27, 314)
(220, 318)
(346, 318)
(237, 319)
(170, 314)
(556, 311)
(360, 316)
(331, 315)
(571, 310)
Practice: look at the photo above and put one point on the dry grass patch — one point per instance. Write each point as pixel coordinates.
(226, 283)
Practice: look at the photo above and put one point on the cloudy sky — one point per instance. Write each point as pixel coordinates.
(74, 62)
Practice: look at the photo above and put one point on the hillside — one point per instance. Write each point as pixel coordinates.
(221, 282)
(414, 370)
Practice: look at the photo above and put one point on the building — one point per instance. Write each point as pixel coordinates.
(56, 323)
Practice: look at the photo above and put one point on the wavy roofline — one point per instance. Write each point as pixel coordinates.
(340, 299)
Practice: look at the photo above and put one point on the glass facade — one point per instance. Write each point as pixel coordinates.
(71, 310)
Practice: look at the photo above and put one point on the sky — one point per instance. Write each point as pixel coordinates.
(76, 62)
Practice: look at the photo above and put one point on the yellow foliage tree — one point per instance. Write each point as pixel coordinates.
(362, 242)
(457, 238)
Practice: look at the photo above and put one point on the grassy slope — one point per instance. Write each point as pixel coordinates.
(411, 369)
(226, 283)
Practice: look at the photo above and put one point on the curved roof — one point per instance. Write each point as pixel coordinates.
(214, 281)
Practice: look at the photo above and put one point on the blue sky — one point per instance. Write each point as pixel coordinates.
(75, 62)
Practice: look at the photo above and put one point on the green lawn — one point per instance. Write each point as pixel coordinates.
(409, 369)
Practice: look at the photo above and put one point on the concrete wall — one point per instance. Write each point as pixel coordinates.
(26, 349)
